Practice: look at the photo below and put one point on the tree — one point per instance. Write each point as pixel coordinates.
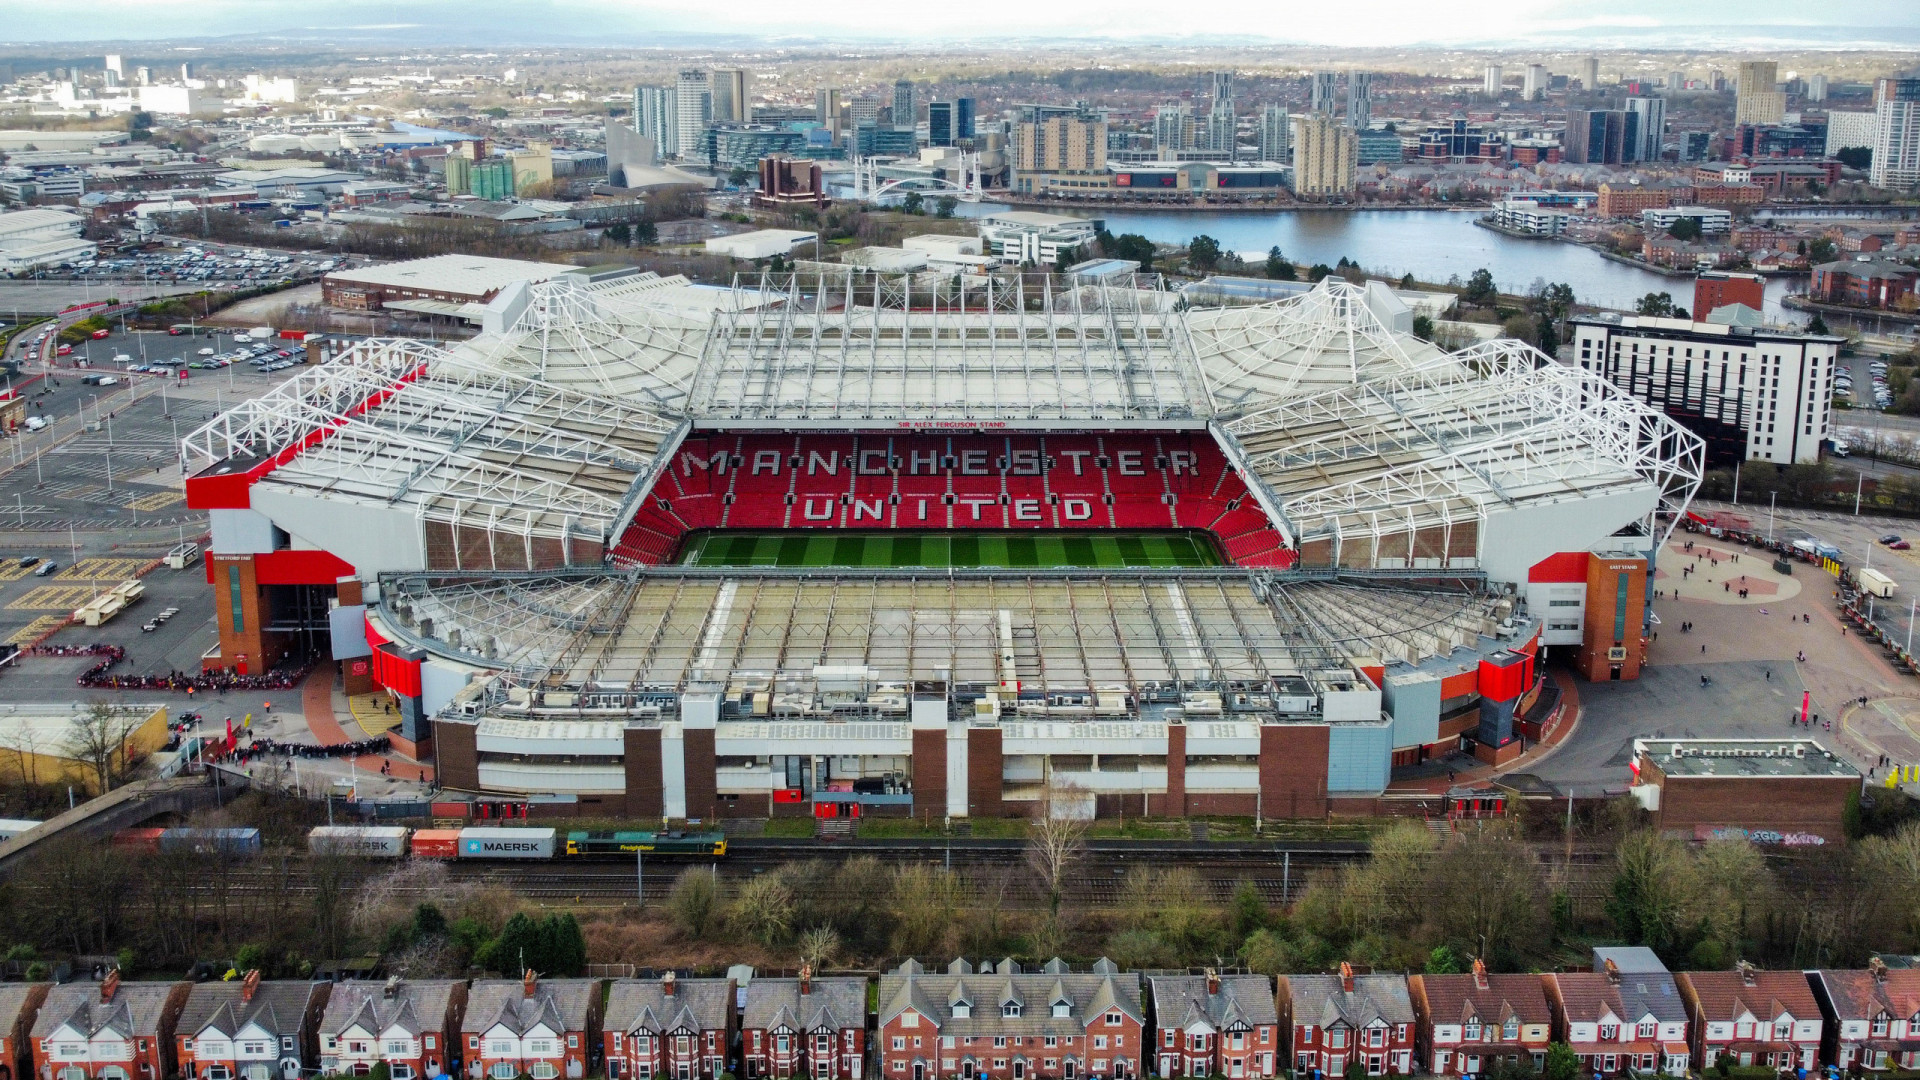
(1546, 337)
(913, 202)
(1649, 890)
(1817, 325)
(1055, 843)
(925, 902)
(645, 234)
(619, 233)
(944, 206)
(818, 946)
(1820, 249)
(1203, 252)
(738, 177)
(1657, 304)
(1443, 961)
(1248, 911)
(763, 912)
(1561, 1064)
(1279, 267)
(695, 903)
(1855, 157)
(1319, 271)
(1552, 300)
(1480, 288)
(1685, 229)
(1423, 328)
(1132, 246)
(428, 922)
(97, 738)
(1406, 281)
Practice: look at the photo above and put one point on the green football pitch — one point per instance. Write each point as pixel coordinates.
(1103, 549)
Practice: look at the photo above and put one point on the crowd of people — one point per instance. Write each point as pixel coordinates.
(264, 747)
(190, 683)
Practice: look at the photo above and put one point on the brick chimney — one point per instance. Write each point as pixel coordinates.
(1346, 976)
(666, 984)
(1613, 972)
(1746, 973)
(1479, 973)
(109, 985)
(249, 984)
(1213, 981)
(806, 978)
(1878, 969)
(529, 981)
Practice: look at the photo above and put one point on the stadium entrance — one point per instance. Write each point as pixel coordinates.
(1036, 549)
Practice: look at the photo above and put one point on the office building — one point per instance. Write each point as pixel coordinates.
(1173, 130)
(656, 115)
(1712, 220)
(1716, 80)
(1060, 151)
(1602, 137)
(903, 112)
(1323, 92)
(1529, 217)
(730, 102)
(828, 107)
(1019, 236)
(742, 146)
(1534, 85)
(1275, 133)
(1752, 393)
(939, 123)
(1758, 99)
(1377, 146)
(1715, 289)
(1359, 101)
(1846, 129)
(1325, 153)
(1896, 136)
(1220, 128)
(186, 71)
(1817, 88)
(1491, 83)
(1676, 82)
(1222, 87)
(875, 140)
(1590, 74)
(963, 113)
(693, 95)
(1650, 127)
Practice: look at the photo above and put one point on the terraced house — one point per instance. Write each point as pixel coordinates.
(1215, 1025)
(19, 1003)
(1344, 1018)
(1007, 1024)
(542, 1028)
(669, 1028)
(1757, 1017)
(249, 1029)
(1873, 1016)
(108, 1030)
(804, 1027)
(1470, 1023)
(1628, 1014)
(410, 1025)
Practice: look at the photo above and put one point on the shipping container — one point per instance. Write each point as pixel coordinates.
(436, 843)
(224, 841)
(1876, 583)
(147, 840)
(501, 843)
(370, 841)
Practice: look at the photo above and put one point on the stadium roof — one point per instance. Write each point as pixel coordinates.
(1367, 446)
(1066, 630)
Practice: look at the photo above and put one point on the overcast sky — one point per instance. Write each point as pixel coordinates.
(1699, 24)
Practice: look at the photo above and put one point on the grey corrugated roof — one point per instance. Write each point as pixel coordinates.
(135, 1009)
(700, 1004)
(831, 1003)
(1247, 997)
(564, 1003)
(277, 1006)
(1319, 1000)
(1087, 995)
(414, 1006)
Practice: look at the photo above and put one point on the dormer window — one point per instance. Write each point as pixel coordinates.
(1783, 1030)
(1647, 1029)
(1880, 1024)
(1063, 1007)
(1510, 1030)
(1609, 1032)
(1473, 1030)
(963, 1009)
(1010, 1010)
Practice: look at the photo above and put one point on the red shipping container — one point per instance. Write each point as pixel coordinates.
(138, 839)
(436, 843)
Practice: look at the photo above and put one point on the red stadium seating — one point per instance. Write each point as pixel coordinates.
(1167, 480)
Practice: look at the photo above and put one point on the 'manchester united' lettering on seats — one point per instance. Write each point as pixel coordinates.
(1168, 480)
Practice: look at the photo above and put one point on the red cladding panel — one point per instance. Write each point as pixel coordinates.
(227, 491)
(375, 637)
(291, 567)
(1504, 682)
(395, 672)
(1568, 567)
(1454, 686)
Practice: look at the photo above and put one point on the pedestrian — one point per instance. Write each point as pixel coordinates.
(1703, 649)
(1769, 672)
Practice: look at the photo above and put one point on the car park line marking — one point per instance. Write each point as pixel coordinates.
(13, 571)
(102, 567)
(157, 500)
(54, 598)
(35, 629)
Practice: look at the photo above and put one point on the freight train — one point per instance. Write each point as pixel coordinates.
(467, 844)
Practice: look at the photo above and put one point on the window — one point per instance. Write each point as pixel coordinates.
(543, 1070)
(1510, 1030)
(504, 1070)
(1647, 1029)
(1473, 1031)
(1166, 1039)
(398, 1047)
(1337, 1038)
(1099, 1042)
(401, 1071)
(1010, 1009)
(1609, 1033)
(899, 1043)
(1783, 1030)
(1113, 1018)
(473, 1041)
(573, 1040)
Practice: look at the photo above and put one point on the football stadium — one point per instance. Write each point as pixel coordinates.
(941, 546)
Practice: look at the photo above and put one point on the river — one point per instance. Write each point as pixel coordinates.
(1432, 245)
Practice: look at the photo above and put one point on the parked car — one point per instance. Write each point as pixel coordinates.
(1900, 545)
(46, 568)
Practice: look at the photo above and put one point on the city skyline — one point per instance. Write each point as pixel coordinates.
(1395, 23)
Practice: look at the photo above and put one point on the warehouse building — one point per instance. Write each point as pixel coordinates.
(1787, 791)
(449, 279)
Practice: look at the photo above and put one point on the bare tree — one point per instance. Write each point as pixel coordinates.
(1055, 843)
(818, 947)
(97, 738)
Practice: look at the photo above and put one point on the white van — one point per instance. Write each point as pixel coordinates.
(36, 423)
